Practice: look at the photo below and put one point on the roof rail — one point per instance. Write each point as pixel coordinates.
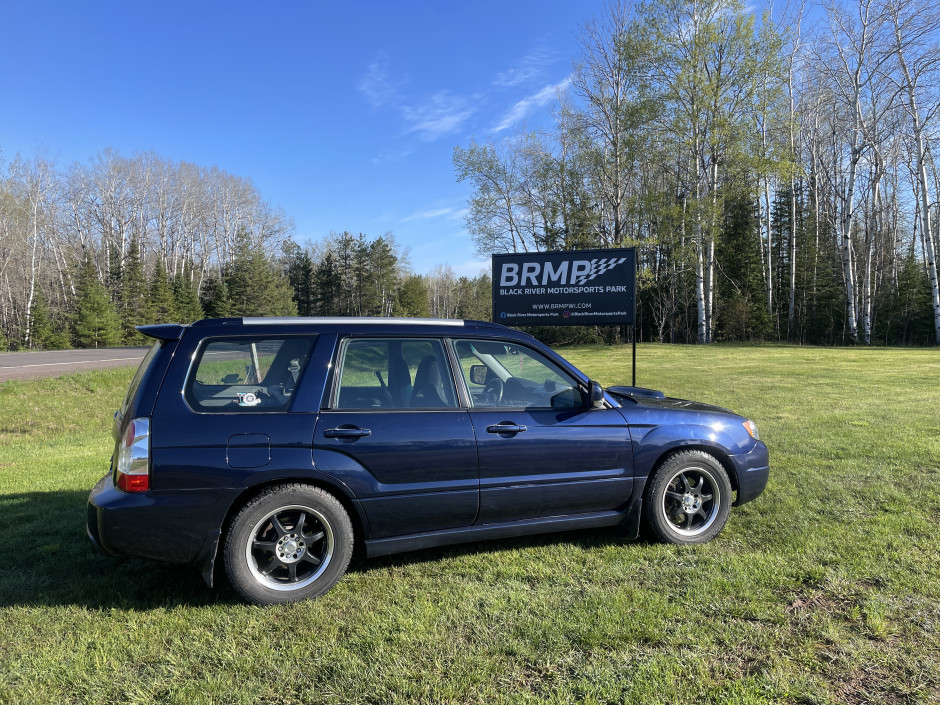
(347, 320)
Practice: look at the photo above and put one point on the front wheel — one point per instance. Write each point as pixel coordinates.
(688, 499)
(290, 543)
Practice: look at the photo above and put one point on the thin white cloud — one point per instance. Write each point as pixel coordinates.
(429, 214)
(440, 115)
(531, 67)
(524, 107)
(376, 86)
(447, 212)
(392, 155)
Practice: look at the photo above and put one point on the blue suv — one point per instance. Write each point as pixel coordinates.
(276, 445)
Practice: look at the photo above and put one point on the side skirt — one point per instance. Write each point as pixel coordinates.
(511, 529)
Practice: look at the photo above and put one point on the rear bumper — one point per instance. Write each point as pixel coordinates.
(753, 469)
(172, 527)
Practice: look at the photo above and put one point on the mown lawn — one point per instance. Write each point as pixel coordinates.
(826, 589)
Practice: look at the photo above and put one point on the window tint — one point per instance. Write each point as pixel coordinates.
(247, 374)
(506, 375)
(394, 373)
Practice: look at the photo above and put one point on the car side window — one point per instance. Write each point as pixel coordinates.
(246, 374)
(508, 375)
(394, 373)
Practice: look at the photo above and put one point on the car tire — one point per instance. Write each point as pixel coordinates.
(292, 542)
(688, 498)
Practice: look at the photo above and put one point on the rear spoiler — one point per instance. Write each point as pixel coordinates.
(163, 331)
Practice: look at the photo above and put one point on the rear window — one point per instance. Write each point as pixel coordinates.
(239, 375)
(139, 375)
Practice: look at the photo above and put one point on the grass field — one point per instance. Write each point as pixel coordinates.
(826, 589)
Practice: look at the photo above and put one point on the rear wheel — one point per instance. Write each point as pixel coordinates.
(688, 499)
(290, 543)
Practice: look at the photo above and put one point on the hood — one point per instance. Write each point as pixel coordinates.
(658, 400)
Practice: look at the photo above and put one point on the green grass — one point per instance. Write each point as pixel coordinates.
(826, 589)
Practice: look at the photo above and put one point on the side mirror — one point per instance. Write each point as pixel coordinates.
(595, 395)
(478, 374)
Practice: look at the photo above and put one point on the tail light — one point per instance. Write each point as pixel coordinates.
(133, 460)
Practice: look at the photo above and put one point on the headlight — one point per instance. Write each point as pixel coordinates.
(752, 429)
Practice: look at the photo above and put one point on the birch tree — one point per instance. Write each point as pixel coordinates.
(916, 53)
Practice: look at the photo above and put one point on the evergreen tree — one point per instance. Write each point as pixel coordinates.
(4, 343)
(300, 274)
(95, 322)
(475, 298)
(45, 334)
(256, 286)
(327, 287)
(742, 313)
(115, 272)
(905, 315)
(186, 296)
(413, 297)
(133, 297)
(381, 279)
(162, 305)
(215, 299)
(344, 256)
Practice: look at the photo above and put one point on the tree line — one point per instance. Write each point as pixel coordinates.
(775, 175)
(92, 251)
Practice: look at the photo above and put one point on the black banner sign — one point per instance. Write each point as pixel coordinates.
(573, 288)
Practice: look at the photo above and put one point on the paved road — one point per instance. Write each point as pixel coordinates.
(49, 363)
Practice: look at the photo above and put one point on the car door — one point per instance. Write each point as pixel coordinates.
(541, 453)
(392, 430)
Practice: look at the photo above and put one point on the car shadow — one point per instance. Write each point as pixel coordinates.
(46, 559)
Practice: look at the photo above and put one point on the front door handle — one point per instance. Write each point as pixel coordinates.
(347, 432)
(505, 427)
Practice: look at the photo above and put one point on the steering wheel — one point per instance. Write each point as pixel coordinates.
(494, 390)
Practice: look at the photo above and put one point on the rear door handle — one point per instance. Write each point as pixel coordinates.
(505, 427)
(347, 433)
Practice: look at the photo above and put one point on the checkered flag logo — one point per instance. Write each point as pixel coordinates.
(599, 266)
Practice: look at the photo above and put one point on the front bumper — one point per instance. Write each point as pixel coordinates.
(752, 470)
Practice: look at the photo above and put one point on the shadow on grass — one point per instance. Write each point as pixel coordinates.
(47, 560)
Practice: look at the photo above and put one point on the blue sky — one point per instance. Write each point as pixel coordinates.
(343, 114)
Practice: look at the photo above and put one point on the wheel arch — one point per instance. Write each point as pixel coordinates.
(716, 452)
(209, 565)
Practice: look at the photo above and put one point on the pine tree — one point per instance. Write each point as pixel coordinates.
(133, 296)
(413, 297)
(186, 297)
(327, 287)
(300, 273)
(382, 280)
(95, 323)
(215, 299)
(256, 286)
(742, 314)
(45, 334)
(475, 298)
(162, 306)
